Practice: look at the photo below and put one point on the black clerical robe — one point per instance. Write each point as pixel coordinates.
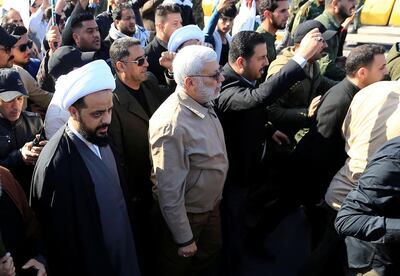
(64, 200)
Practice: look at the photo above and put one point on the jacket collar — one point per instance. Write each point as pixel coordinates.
(122, 95)
(187, 101)
(232, 77)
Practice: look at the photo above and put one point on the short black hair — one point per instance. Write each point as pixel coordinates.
(14, 29)
(243, 44)
(76, 22)
(362, 56)
(164, 9)
(229, 11)
(120, 49)
(117, 12)
(79, 104)
(267, 5)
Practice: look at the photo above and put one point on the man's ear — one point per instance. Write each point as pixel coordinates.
(120, 66)
(241, 62)
(75, 37)
(73, 111)
(267, 14)
(187, 82)
(361, 73)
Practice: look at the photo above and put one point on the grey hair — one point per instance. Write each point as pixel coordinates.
(120, 49)
(190, 61)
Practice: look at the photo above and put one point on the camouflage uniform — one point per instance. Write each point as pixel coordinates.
(308, 11)
(328, 65)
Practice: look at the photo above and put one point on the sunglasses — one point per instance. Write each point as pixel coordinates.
(139, 61)
(23, 47)
(216, 76)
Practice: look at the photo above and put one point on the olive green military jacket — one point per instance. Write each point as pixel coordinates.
(327, 64)
(393, 63)
(310, 10)
(290, 112)
(270, 41)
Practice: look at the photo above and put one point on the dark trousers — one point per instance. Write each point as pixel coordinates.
(330, 257)
(206, 228)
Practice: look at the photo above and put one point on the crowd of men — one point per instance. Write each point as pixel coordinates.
(137, 144)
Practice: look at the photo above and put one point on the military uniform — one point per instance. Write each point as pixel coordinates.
(328, 65)
(310, 10)
(271, 51)
(393, 63)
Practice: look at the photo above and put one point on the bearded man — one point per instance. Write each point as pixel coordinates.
(77, 193)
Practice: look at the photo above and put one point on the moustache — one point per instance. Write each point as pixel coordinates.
(102, 126)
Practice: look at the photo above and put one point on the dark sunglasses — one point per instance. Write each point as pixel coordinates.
(139, 61)
(23, 47)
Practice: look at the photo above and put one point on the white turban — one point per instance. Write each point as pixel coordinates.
(184, 34)
(88, 79)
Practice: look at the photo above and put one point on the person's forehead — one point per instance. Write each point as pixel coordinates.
(171, 17)
(126, 12)
(89, 24)
(282, 5)
(136, 51)
(210, 67)
(98, 99)
(23, 39)
(260, 49)
(14, 14)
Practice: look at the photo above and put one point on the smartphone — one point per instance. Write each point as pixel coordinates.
(42, 136)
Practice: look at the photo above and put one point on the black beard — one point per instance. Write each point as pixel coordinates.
(101, 141)
(92, 137)
(343, 14)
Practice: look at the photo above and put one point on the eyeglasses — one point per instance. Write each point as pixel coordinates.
(23, 47)
(140, 61)
(216, 76)
(6, 49)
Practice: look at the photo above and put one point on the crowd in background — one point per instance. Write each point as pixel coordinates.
(137, 140)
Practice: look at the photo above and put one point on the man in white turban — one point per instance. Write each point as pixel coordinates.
(77, 192)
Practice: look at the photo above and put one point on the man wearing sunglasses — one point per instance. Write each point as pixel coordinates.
(36, 94)
(136, 98)
(22, 50)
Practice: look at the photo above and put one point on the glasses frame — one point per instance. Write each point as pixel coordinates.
(23, 47)
(216, 76)
(139, 61)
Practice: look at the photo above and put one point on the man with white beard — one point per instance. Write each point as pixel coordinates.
(190, 164)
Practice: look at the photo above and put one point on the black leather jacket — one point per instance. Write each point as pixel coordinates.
(12, 138)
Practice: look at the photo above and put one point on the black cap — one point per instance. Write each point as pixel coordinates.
(6, 39)
(307, 26)
(11, 85)
(66, 58)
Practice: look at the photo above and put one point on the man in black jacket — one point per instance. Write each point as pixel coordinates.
(78, 191)
(321, 152)
(369, 217)
(242, 111)
(168, 19)
(17, 129)
(136, 97)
